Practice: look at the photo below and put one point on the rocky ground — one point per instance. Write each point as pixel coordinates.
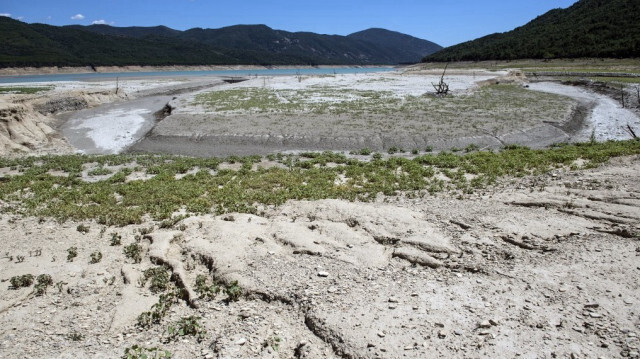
(535, 267)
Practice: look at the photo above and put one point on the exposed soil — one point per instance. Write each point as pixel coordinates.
(536, 267)
(194, 129)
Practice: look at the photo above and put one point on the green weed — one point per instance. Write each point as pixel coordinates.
(43, 282)
(138, 352)
(83, 229)
(116, 239)
(21, 281)
(96, 257)
(158, 311)
(134, 252)
(24, 90)
(204, 290)
(36, 192)
(188, 326)
(233, 291)
(159, 279)
(75, 336)
(72, 252)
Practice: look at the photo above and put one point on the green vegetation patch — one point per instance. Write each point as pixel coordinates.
(24, 90)
(307, 176)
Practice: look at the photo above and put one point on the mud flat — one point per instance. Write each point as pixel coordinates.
(351, 112)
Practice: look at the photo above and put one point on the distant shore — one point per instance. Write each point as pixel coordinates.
(13, 71)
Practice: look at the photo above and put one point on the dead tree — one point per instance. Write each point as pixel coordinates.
(631, 131)
(442, 88)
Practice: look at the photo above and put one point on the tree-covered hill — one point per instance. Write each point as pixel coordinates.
(101, 45)
(402, 45)
(589, 28)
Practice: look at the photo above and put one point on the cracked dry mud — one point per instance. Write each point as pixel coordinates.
(536, 267)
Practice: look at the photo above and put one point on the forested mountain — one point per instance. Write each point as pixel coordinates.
(101, 45)
(404, 46)
(589, 28)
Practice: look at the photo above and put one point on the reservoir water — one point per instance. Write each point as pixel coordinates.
(95, 76)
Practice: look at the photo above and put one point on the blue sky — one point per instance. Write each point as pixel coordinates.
(446, 22)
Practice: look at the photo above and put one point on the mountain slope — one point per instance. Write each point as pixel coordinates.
(407, 47)
(240, 44)
(589, 28)
(134, 31)
(43, 45)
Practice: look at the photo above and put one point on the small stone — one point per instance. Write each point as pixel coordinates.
(241, 341)
(595, 315)
(392, 306)
(440, 325)
(323, 274)
(381, 334)
(371, 345)
(493, 322)
(442, 334)
(408, 348)
(484, 324)
(457, 332)
(393, 300)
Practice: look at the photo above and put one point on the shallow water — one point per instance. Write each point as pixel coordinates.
(226, 73)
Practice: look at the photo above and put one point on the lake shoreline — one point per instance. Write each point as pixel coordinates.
(19, 71)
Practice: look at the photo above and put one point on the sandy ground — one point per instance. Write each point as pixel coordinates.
(537, 267)
(607, 119)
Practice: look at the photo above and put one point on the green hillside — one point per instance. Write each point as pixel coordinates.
(44, 45)
(101, 45)
(589, 28)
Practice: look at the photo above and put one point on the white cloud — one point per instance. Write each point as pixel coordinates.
(99, 22)
(5, 14)
(77, 17)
